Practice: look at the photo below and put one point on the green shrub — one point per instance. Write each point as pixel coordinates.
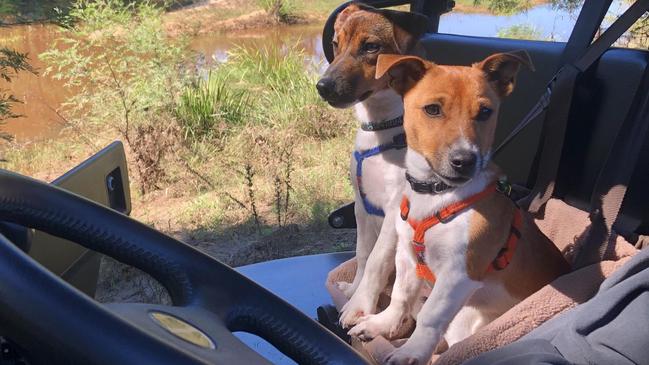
(282, 11)
(11, 62)
(210, 107)
(284, 84)
(505, 7)
(520, 31)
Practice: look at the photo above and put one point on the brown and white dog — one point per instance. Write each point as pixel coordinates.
(485, 254)
(362, 33)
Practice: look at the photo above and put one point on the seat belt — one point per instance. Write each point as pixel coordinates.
(558, 95)
(557, 118)
(613, 181)
(590, 17)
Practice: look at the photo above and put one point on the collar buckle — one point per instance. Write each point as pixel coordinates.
(442, 219)
(427, 187)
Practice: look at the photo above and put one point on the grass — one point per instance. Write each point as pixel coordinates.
(209, 107)
(292, 143)
(272, 123)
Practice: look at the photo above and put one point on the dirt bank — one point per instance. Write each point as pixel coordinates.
(215, 16)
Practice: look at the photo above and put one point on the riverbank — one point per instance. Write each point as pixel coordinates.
(213, 16)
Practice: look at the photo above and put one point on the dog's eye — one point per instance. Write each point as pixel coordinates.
(371, 47)
(483, 114)
(433, 110)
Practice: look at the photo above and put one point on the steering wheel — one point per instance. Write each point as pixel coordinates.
(55, 323)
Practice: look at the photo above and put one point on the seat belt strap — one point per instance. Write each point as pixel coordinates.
(590, 17)
(556, 119)
(613, 181)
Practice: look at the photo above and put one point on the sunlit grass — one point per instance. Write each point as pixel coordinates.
(210, 106)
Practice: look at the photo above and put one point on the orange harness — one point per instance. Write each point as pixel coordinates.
(443, 216)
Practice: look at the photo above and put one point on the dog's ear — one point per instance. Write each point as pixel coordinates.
(345, 13)
(403, 71)
(407, 27)
(502, 68)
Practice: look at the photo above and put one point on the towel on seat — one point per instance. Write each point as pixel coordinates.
(565, 226)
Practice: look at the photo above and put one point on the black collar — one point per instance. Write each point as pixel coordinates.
(386, 124)
(427, 187)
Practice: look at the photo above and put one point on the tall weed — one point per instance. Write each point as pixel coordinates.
(210, 107)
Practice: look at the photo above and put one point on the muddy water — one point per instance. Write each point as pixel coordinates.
(308, 38)
(41, 95)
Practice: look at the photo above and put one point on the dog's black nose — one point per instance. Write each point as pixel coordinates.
(326, 87)
(463, 161)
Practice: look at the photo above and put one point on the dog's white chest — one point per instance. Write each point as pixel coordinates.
(446, 243)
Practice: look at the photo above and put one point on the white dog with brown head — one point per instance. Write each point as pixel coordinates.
(457, 230)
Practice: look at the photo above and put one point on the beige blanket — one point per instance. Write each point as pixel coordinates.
(565, 226)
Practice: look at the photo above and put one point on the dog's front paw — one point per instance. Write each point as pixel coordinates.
(386, 324)
(404, 356)
(418, 350)
(346, 288)
(356, 308)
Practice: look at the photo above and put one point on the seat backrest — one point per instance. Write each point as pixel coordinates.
(603, 100)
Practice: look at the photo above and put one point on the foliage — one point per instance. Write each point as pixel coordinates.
(505, 7)
(283, 11)
(281, 79)
(263, 155)
(208, 108)
(26, 11)
(521, 31)
(126, 74)
(11, 62)
(568, 5)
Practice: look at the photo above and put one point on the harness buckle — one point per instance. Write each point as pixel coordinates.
(441, 219)
(504, 187)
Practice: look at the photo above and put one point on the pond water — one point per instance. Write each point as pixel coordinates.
(42, 96)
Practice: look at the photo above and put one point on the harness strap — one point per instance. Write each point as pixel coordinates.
(501, 261)
(398, 142)
(506, 253)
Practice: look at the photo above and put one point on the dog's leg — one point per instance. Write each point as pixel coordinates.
(380, 265)
(366, 235)
(452, 289)
(404, 294)
(465, 323)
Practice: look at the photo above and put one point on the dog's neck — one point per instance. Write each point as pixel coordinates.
(381, 106)
(423, 205)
